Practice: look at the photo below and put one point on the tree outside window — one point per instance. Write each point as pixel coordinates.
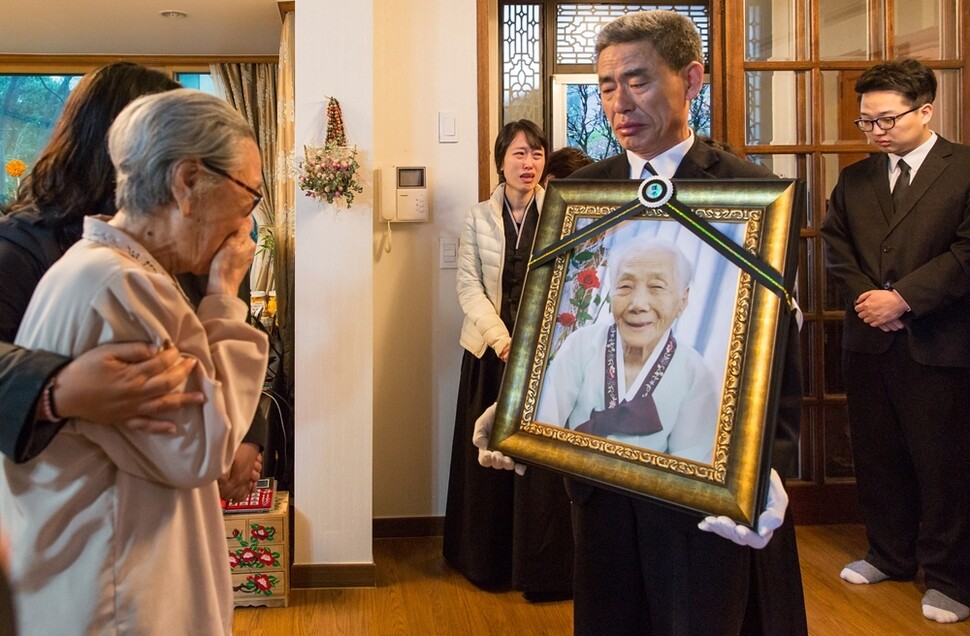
(588, 129)
(29, 107)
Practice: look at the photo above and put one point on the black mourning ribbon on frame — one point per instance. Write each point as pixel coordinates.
(748, 262)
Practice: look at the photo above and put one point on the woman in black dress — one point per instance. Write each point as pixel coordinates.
(499, 529)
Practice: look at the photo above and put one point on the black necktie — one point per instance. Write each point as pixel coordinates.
(902, 185)
(647, 171)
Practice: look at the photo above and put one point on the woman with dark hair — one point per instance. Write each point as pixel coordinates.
(74, 178)
(71, 179)
(499, 530)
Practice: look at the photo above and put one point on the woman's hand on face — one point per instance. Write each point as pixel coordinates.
(130, 383)
(232, 260)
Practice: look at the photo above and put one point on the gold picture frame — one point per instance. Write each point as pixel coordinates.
(741, 323)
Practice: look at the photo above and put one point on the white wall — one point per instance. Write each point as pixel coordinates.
(377, 355)
(425, 63)
(334, 298)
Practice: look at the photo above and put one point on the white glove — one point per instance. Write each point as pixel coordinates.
(769, 521)
(491, 458)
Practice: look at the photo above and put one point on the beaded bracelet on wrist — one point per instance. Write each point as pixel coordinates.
(49, 408)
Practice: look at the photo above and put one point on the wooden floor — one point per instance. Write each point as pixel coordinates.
(417, 594)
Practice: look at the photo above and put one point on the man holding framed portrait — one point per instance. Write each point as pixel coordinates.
(642, 567)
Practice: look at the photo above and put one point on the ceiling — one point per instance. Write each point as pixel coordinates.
(135, 27)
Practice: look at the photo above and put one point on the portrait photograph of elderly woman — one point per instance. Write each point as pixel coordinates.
(641, 337)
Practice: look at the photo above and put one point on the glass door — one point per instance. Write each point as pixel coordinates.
(789, 101)
(578, 119)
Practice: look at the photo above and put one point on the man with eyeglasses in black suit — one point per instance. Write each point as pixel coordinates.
(897, 236)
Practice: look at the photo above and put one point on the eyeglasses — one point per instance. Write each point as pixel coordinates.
(257, 197)
(885, 123)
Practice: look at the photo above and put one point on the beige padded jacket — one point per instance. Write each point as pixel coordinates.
(480, 263)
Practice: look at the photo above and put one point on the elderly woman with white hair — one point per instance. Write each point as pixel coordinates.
(629, 379)
(115, 530)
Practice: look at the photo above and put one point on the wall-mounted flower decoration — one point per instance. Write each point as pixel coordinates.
(331, 173)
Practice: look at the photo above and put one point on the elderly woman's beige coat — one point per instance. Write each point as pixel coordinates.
(117, 531)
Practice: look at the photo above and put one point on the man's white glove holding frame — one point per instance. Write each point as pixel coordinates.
(769, 521)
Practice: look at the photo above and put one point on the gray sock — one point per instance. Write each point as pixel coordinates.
(941, 608)
(862, 572)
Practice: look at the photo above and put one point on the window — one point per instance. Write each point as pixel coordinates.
(790, 103)
(198, 81)
(574, 116)
(29, 107)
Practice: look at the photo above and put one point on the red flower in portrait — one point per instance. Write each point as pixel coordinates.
(233, 560)
(566, 319)
(261, 581)
(247, 556)
(588, 279)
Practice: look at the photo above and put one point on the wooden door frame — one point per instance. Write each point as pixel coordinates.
(814, 497)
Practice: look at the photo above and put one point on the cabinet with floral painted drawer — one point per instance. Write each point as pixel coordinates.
(259, 556)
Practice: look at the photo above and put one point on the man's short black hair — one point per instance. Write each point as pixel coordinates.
(913, 80)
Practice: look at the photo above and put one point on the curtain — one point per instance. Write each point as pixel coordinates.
(251, 89)
(285, 195)
(264, 94)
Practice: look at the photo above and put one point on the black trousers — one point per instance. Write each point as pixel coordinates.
(910, 429)
(501, 528)
(645, 569)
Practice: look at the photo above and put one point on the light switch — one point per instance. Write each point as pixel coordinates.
(448, 252)
(447, 128)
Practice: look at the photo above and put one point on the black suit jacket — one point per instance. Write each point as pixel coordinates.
(921, 251)
(702, 161)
